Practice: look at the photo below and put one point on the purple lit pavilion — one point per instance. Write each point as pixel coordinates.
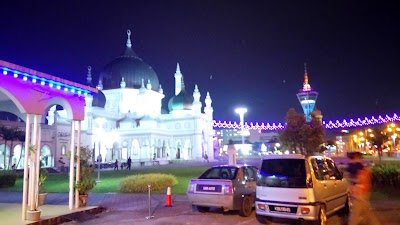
(307, 96)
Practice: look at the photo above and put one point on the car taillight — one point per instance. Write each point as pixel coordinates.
(309, 182)
(304, 210)
(228, 189)
(261, 206)
(191, 188)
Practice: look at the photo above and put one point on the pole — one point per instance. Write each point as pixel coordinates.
(71, 167)
(26, 158)
(99, 160)
(242, 122)
(78, 162)
(150, 216)
(32, 166)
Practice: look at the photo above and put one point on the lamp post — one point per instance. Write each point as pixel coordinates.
(241, 112)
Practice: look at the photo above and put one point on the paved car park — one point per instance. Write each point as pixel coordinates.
(182, 214)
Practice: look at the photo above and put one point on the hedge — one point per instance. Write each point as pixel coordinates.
(7, 179)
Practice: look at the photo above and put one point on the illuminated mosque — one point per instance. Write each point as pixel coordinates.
(125, 119)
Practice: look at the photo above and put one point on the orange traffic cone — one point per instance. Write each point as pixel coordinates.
(168, 201)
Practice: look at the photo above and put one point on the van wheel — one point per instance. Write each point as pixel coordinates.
(202, 208)
(347, 205)
(322, 218)
(263, 219)
(247, 207)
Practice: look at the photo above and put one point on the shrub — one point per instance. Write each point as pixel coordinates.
(7, 179)
(139, 183)
(386, 174)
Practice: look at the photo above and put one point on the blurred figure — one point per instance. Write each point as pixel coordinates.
(116, 164)
(359, 177)
(128, 163)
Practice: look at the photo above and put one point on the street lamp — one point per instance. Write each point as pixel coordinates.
(241, 112)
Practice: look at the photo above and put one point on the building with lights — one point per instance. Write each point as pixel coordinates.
(125, 119)
(307, 97)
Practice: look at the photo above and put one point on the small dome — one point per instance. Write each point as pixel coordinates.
(182, 101)
(99, 100)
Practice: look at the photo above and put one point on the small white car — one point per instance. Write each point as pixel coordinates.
(230, 187)
(299, 187)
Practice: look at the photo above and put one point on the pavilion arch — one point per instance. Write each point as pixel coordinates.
(14, 99)
(62, 102)
(18, 156)
(46, 156)
(3, 147)
(32, 93)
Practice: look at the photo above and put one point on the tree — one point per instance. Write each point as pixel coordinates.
(301, 136)
(7, 134)
(379, 139)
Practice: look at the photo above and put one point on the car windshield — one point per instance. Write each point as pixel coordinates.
(288, 173)
(220, 173)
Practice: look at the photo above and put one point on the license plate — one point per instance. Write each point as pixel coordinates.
(207, 188)
(282, 209)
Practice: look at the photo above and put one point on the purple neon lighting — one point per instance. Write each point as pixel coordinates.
(43, 81)
(328, 125)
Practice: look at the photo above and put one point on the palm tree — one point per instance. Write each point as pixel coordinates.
(8, 134)
(20, 135)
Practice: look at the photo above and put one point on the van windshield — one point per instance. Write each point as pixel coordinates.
(288, 173)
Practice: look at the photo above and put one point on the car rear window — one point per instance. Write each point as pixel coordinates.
(220, 173)
(287, 173)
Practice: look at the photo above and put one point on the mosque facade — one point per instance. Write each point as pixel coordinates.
(125, 119)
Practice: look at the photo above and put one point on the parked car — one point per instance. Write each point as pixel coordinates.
(299, 187)
(230, 187)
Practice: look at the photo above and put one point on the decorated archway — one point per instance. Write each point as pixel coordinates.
(20, 88)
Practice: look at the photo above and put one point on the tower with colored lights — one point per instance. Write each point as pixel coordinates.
(307, 96)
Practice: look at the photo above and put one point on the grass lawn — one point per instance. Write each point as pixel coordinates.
(110, 179)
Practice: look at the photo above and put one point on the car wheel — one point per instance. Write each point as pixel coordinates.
(247, 207)
(263, 219)
(322, 218)
(203, 208)
(347, 205)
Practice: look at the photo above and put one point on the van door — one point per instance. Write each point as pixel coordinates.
(250, 177)
(323, 187)
(340, 185)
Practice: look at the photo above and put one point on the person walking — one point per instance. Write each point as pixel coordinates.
(128, 163)
(359, 177)
(116, 164)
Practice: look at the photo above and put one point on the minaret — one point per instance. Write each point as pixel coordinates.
(142, 89)
(196, 102)
(307, 96)
(208, 128)
(100, 85)
(89, 76)
(123, 83)
(178, 80)
(148, 85)
(208, 110)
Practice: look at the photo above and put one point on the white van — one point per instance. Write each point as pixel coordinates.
(295, 186)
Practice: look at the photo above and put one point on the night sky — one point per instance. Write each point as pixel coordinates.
(246, 53)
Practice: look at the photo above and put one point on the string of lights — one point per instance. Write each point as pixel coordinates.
(351, 123)
(44, 81)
